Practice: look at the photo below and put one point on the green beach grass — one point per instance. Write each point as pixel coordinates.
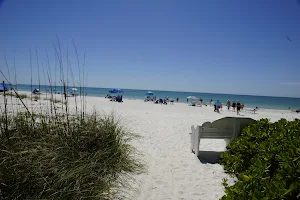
(54, 154)
(57, 157)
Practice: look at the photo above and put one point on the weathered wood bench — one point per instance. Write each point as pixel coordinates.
(225, 128)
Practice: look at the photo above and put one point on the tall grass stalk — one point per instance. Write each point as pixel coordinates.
(30, 76)
(8, 72)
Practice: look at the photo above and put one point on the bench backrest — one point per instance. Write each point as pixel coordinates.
(225, 128)
(216, 133)
(227, 124)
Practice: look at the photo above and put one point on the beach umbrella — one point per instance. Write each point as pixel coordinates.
(3, 87)
(149, 93)
(192, 97)
(116, 91)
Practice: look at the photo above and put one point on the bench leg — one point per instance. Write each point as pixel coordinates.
(193, 133)
(197, 140)
(192, 140)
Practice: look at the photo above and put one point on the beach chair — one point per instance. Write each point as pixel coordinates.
(226, 128)
(113, 98)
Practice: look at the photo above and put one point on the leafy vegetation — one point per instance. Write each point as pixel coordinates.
(266, 160)
(58, 158)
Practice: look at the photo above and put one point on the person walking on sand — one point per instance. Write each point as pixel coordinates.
(233, 106)
(177, 99)
(238, 108)
(228, 104)
(217, 106)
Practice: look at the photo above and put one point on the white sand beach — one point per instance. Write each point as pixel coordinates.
(173, 172)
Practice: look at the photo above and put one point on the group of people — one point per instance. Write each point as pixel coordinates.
(165, 100)
(235, 106)
(161, 101)
(150, 98)
(115, 98)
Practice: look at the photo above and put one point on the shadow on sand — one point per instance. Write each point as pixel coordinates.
(211, 157)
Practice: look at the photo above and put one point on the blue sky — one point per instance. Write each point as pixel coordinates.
(236, 47)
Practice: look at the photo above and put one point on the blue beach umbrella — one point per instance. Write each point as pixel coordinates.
(3, 87)
(149, 93)
(116, 91)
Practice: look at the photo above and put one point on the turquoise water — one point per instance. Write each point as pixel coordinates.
(249, 101)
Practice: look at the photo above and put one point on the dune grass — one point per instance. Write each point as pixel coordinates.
(63, 154)
(51, 158)
(23, 96)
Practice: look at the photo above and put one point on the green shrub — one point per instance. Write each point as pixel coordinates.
(266, 160)
(64, 158)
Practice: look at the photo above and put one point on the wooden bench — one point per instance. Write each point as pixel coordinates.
(225, 128)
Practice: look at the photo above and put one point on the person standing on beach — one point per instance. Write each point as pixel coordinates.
(233, 106)
(228, 104)
(217, 106)
(177, 99)
(187, 100)
(211, 102)
(238, 108)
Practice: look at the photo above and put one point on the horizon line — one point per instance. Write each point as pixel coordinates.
(168, 91)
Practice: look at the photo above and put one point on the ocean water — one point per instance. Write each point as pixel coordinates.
(249, 101)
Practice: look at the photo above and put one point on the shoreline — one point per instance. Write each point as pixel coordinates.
(180, 102)
(252, 95)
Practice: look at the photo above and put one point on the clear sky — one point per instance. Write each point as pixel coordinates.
(237, 47)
